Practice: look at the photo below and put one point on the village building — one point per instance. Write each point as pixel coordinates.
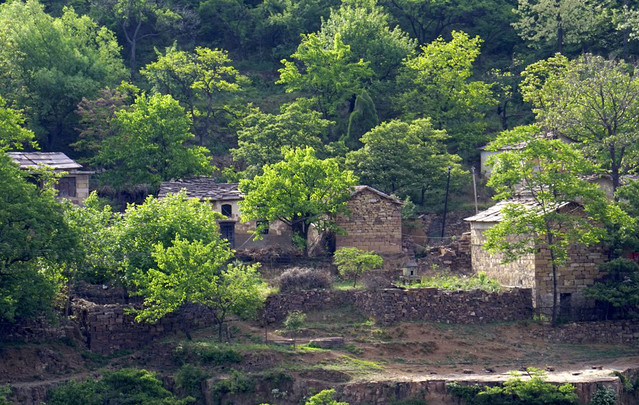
(534, 270)
(373, 223)
(73, 185)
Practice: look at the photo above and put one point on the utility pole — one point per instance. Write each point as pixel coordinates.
(446, 203)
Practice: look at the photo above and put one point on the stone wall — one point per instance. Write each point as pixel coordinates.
(107, 328)
(581, 270)
(375, 223)
(623, 331)
(390, 306)
(519, 273)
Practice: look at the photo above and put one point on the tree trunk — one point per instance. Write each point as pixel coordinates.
(560, 31)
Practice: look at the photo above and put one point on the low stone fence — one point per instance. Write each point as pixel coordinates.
(107, 328)
(626, 331)
(390, 306)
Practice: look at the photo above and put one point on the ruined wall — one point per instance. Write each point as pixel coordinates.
(622, 331)
(581, 270)
(375, 224)
(107, 328)
(519, 273)
(390, 306)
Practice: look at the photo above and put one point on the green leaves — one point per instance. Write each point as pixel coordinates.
(300, 190)
(353, 262)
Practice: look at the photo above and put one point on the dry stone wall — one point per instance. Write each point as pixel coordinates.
(375, 224)
(622, 331)
(390, 306)
(107, 328)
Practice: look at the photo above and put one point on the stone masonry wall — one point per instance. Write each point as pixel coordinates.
(623, 331)
(581, 270)
(375, 224)
(390, 306)
(519, 273)
(107, 328)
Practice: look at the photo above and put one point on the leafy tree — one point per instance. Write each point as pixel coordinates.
(405, 157)
(300, 190)
(364, 26)
(619, 289)
(564, 21)
(13, 134)
(48, 64)
(127, 385)
(264, 137)
(294, 322)
(195, 272)
(327, 74)
(160, 222)
(437, 84)
(35, 241)
(592, 101)
(97, 118)
(353, 262)
(324, 397)
(362, 119)
(150, 145)
(201, 80)
(546, 173)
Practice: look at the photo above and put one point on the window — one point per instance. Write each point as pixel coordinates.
(66, 187)
(227, 210)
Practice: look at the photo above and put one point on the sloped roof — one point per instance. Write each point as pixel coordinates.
(359, 189)
(55, 160)
(204, 188)
(493, 214)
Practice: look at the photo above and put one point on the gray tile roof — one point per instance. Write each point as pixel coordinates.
(493, 214)
(55, 160)
(204, 188)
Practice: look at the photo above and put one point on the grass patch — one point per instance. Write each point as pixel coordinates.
(478, 281)
(351, 364)
(346, 285)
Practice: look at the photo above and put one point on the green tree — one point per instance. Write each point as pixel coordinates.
(592, 101)
(150, 145)
(405, 158)
(264, 137)
(353, 262)
(13, 134)
(301, 191)
(161, 221)
(561, 21)
(48, 64)
(364, 26)
(35, 241)
(363, 118)
(619, 288)
(547, 173)
(327, 73)
(197, 272)
(324, 397)
(202, 81)
(294, 322)
(437, 84)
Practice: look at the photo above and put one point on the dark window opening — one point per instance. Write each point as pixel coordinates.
(227, 210)
(262, 226)
(66, 187)
(565, 306)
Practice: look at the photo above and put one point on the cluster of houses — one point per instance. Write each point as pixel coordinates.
(374, 223)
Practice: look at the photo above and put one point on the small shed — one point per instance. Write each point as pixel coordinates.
(374, 222)
(73, 186)
(534, 270)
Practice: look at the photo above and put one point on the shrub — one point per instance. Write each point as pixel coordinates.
(479, 281)
(297, 278)
(604, 396)
(189, 379)
(207, 353)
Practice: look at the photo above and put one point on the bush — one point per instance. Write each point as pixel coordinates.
(297, 279)
(604, 396)
(189, 379)
(207, 353)
(479, 281)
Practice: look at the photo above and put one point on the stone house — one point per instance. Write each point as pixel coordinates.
(224, 198)
(73, 185)
(534, 270)
(374, 222)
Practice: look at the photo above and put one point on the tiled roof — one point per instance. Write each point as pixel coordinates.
(204, 188)
(493, 214)
(55, 160)
(359, 189)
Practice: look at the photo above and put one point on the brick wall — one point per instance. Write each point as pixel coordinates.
(390, 306)
(375, 224)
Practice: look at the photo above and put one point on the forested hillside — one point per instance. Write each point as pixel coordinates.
(148, 90)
